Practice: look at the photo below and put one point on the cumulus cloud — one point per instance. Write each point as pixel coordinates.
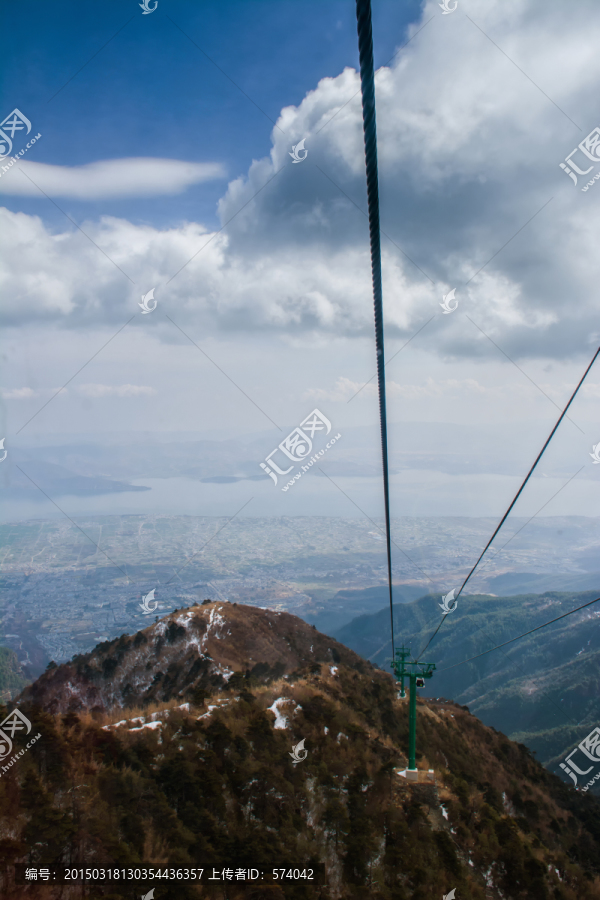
(472, 198)
(132, 177)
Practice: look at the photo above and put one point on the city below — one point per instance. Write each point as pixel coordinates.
(67, 586)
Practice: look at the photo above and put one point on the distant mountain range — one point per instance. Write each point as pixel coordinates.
(543, 690)
(511, 583)
(229, 736)
(346, 605)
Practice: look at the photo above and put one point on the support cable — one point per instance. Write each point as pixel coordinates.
(516, 497)
(367, 86)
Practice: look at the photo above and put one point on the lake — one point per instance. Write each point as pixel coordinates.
(413, 493)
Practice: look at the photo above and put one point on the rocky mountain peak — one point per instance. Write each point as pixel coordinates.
(192, 651)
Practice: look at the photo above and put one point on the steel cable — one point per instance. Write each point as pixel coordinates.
(367, 85)
(516, 497)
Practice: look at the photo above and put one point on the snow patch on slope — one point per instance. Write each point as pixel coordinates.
(281, 721)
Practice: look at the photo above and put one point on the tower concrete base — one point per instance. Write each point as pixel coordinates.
(416, 775)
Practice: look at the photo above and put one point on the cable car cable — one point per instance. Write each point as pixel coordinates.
(516, 497)
(367, 86)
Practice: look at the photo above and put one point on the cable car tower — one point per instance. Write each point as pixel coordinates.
(416, 672)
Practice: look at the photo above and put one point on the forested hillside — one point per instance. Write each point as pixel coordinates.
(543, 690)
(12, 679)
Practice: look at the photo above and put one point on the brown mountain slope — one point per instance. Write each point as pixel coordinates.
(214, 785)
(196, 649)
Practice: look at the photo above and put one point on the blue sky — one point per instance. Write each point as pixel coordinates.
(151, 92)
(474, 116)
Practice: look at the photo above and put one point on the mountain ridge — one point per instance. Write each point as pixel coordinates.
(198, 648)
(210, 781)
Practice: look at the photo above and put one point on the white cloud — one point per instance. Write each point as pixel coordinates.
(65, 277)
(132, 177)
(25, 393)
(469, 151)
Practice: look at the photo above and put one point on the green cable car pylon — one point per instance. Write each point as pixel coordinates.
(416, 672)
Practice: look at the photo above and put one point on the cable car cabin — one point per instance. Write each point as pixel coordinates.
(420, 682)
